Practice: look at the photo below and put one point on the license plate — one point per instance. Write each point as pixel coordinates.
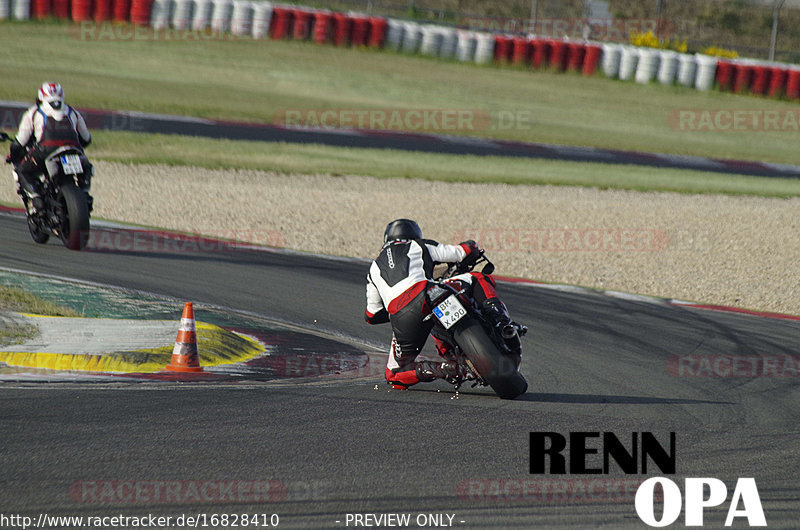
(71, 164)
(449, 312)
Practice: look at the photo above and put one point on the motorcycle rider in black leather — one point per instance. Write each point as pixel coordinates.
(49, 125)
(396, 292)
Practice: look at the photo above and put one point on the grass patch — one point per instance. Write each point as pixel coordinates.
(388, 163)
(16, 334)
(250, 80)
(13, 299)
(20, 301)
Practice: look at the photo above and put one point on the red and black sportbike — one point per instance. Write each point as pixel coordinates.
(64, 189)
(490, 353)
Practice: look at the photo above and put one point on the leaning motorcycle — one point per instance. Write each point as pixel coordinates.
(481, 347)
(65, 193)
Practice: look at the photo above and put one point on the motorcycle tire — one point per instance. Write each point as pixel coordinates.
(37, 234)
(74, 230)
(498, 370)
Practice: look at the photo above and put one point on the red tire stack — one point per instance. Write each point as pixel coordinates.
(743, 78)
(541, 53)
(592, 59)
(575, 54)
(777, 81)
(521, 51)
(121, 10)
(61, 9)
(140, 12)
(342, 27)
(760, 83)
(302, 24)
(724, 75)
(323, 21)
(793, 84)
(360, 33)
(377, 31)
(102, 10)
(502, 49)
(558, 55)
(41, 8)
(281, 23)
(81, 10)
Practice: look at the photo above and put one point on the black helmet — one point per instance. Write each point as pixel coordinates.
(402, 229)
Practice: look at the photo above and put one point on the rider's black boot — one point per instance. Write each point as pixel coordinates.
(450, 371)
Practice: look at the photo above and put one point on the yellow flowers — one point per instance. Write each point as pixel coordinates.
(720, 52)
(650, 40)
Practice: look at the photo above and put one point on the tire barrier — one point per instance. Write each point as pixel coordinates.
(21, 9)
(449, 43)
(521, 54)
(301, 24)
(667, 67)
(465, 46)
(431, 43)
(242, 18)
(484, 48)
(181, 16)
(201, 14)
(140, 12)
(103, 10)
(394, 35)
(706, 71)
(39, 9)
(261, 19)
(221, 13)
(628, 63)
(81, 10)
(5, 9)
(262, 15)
(793, 83)
(612, 58)
(412, 35)
(121, 10)
(647, 67)
(687, 69)
(159, 14)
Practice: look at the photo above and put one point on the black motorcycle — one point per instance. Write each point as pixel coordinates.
(65, 194)
(490, 353)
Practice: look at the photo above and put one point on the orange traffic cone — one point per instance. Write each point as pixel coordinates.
(184, 355)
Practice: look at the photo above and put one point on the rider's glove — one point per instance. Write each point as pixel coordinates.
(16, 153)
(472, 252)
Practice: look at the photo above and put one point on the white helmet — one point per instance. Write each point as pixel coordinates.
(51, 100)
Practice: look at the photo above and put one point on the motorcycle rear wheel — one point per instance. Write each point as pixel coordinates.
(499, 371)
(75, 227)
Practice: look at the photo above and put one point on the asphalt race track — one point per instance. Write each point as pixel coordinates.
(594, 363)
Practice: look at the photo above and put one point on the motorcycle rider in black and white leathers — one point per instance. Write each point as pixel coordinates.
(396, 289)
(44, 128)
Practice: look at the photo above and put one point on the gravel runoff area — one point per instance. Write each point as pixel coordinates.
(731, 250)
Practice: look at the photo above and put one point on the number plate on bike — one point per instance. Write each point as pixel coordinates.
(449, 312)
(71, 164)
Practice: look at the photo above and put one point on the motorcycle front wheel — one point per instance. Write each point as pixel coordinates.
(37, 234)
(74, 230)
(498, 370)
